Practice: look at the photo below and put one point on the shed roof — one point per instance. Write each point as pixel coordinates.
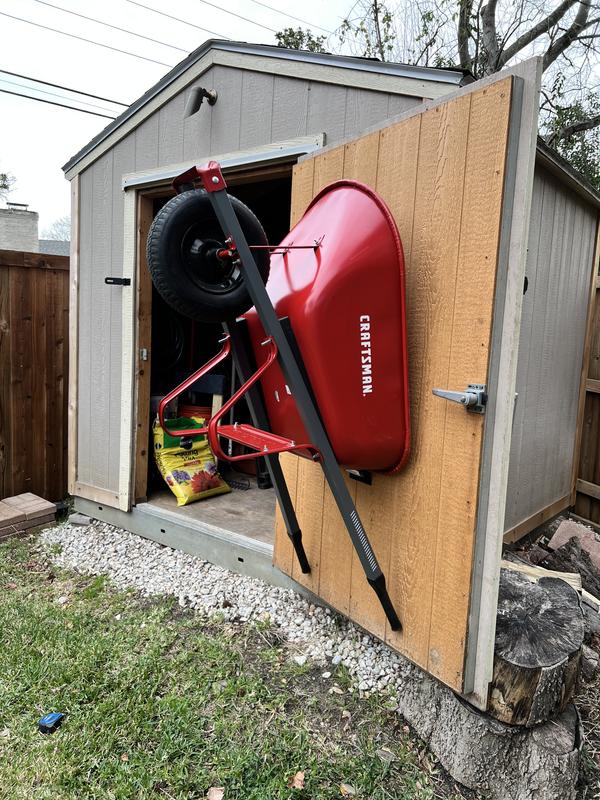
(567, 173)
(344, 70)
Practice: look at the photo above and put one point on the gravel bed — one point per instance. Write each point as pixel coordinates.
(316, 633)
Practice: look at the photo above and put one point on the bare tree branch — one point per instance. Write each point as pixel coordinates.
(576, 127)
(570, 35)
(512, 28)
(380, 48)
(428, 44)
(548, 101)
(488, 32)
(464, 30)
(537, 30)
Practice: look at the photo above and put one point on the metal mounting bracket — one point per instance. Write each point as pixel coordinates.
(113, 281)
(474, 398)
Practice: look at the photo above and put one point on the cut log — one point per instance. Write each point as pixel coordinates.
(572, 578)
(592, 601)
(539, 634)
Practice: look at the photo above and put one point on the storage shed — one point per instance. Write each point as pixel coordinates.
(499, 238)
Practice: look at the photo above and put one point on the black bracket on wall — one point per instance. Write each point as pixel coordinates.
(117, 281)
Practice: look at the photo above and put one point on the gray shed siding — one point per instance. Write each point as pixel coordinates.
(559, 264)
(254, 108)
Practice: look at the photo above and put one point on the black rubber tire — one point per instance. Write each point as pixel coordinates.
(186, 287)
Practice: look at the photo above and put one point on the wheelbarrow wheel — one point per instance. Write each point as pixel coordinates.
(186, 262)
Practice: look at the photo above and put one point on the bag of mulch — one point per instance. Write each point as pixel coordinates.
(190, 474)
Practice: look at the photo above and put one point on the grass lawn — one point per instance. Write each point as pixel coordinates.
(163, 704)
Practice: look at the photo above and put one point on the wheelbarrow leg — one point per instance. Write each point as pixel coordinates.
(243, 364)
(215, 186)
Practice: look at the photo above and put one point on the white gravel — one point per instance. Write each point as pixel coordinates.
(317, 634)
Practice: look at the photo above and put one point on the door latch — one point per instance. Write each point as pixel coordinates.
(117, 281)
(473, 398)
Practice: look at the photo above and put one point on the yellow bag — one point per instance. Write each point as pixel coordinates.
(190, 474)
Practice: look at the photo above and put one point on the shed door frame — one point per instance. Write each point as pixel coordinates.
(145, 202)
(139, 191)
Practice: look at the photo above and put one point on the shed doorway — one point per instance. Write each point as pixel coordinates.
(171, 347)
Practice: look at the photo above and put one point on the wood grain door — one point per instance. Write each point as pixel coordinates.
(445, 173)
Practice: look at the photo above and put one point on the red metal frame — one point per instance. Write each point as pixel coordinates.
(264, 442)
(221, 356)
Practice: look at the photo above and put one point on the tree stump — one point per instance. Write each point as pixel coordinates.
(539, 634)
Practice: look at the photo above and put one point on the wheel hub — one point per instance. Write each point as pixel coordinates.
(208, 263)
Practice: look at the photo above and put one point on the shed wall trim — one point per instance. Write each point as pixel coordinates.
(321, 73)
(126, 440)
(264, 155)
(503, 377)
(73, 339)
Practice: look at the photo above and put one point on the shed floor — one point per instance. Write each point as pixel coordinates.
(248, 513)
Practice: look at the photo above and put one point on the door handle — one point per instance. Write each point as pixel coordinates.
(473, 398)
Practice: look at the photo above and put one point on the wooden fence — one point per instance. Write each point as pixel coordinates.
(34, 309)
(587, 502)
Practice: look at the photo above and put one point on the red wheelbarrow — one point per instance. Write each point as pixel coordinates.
(316, 326)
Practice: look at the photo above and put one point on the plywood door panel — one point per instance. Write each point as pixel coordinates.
(463, 433)
(328, 168)
(397, 150)
(310, 483)
(336, 564)
(360, 163)
(302, 188)
(285, 550)
(442, 173)
(310, 499)
(431, 280)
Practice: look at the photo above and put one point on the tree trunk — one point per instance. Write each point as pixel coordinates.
(539, 634)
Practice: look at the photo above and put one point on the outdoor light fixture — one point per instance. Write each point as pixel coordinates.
(197, 95)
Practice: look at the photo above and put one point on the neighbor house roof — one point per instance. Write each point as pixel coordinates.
(54, 247)
(343, 70)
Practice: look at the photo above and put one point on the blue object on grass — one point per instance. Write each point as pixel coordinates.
(50, 722)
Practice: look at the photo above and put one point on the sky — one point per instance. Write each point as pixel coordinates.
(36, 139)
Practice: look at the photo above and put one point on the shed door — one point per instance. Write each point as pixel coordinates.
(443, 173)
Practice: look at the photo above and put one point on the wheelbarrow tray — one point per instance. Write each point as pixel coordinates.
(345, 302)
